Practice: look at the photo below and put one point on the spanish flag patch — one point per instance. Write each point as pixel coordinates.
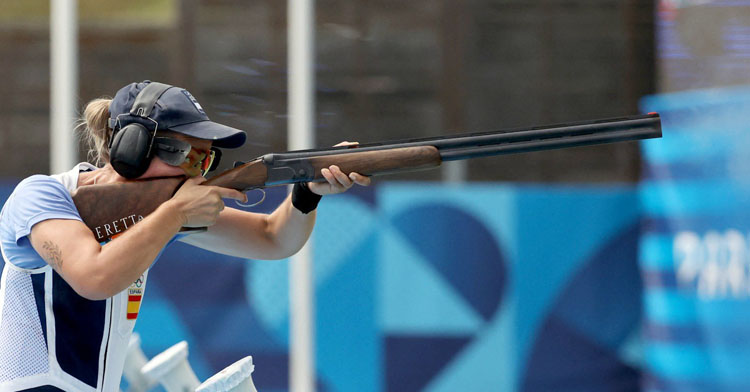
(135, 294)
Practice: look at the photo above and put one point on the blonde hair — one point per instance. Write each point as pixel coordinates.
(94, 130)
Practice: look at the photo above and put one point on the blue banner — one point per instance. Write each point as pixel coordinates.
(694, 248)
(426, 287)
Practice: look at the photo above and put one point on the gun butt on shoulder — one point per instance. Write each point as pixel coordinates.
(110, 209)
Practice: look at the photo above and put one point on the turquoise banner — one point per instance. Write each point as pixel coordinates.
(477, 288)
(422, 286)
(695, 251)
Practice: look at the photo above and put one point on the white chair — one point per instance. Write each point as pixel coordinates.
(234, 378)
(172, 369)
(134, 361)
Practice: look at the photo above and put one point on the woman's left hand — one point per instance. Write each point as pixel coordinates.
(336, 180)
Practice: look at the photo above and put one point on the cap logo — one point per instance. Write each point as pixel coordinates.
(194, 101)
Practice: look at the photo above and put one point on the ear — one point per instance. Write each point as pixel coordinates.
(129, 154)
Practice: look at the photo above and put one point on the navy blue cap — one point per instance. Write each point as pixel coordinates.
(175, 110)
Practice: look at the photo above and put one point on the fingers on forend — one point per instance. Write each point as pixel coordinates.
(228, 193)
(328, 176)
(342, 178)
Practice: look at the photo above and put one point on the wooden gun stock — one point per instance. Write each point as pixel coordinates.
(110, 209)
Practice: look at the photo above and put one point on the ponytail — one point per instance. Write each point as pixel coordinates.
(95, 131)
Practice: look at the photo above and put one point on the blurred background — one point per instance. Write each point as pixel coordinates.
(385, 70)
(618, 267)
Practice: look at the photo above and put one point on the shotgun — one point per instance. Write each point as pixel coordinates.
(111, 208)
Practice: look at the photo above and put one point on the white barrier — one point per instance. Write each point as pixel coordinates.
(236, 377)
(135, 359)
(172, 369)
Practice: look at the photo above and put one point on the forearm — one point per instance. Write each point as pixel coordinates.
(123, 260)
(288, 228)
(280, 234)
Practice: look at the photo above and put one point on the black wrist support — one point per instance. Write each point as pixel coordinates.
(303, 198)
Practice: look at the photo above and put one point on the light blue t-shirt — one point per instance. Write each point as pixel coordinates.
(35, 199)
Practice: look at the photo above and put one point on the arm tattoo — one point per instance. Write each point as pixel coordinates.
(52, 255)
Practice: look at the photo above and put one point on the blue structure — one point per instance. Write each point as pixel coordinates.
(427, 287)
(694, 254)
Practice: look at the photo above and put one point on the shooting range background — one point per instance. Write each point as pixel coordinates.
(576, 277)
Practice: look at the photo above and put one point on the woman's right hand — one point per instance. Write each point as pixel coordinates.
(200, 205)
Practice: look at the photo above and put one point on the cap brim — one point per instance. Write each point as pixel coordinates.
(221, 135)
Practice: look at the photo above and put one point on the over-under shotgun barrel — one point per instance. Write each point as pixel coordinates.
(515, 140)
(305, 165)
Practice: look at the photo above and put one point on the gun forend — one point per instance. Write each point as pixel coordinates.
(369, 163)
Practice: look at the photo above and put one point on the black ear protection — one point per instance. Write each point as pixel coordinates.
(131, 145)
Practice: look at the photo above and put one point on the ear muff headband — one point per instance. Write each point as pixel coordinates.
(146, 99)
(131, 144)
